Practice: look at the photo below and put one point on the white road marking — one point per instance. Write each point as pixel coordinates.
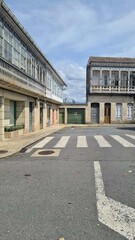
(62, 142)
(122, 141)
(113, 214)
(82, 142)
(28, 150)
(102, 142)
(40, 144)
(131, 136)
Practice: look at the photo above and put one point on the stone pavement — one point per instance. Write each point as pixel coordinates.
(14, 145)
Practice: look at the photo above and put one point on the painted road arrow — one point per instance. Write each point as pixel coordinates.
(113, 214)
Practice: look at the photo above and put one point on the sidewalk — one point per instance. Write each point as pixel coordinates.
(14, 145)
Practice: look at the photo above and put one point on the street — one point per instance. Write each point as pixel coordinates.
(77, 183)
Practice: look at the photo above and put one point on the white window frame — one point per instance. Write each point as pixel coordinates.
(118, 113)
(130, 111)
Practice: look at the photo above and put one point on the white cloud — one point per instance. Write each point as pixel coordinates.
(74, 76)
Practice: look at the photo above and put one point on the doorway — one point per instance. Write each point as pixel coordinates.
(107, 113)
(94, 112)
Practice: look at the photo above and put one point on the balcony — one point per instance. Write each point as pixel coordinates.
(112, 89)
(16, 80)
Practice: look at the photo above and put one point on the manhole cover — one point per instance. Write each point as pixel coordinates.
(3, 151)
(46, 152)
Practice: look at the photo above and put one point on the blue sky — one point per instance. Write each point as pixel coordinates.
(68, 32)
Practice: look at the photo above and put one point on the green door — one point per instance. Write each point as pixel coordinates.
(61, 115)
(76, 116)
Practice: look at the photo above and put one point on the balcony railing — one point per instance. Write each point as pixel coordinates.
(111, 89)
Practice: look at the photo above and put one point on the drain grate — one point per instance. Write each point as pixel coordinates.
(3, 151)
(48, 152)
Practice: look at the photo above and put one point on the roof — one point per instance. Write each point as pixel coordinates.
(111, 62)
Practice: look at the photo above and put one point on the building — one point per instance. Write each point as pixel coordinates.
(72, 113)
(110, 90)
(30, 88)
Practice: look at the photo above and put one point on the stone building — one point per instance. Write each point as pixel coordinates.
(110, 90)
(30, 88)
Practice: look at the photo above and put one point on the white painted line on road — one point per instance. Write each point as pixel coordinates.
(42, 143)
(113, 214)
(122, 141)
(62, 142)
(102, 142)
(28, 150)
(131, 136)
(82, 142)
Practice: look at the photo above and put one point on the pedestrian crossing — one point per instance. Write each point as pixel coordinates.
(62, 142)
(82, 141)
(102, 142)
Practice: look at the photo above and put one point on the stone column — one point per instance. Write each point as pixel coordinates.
(124, 112)
(119, 80)
(110, 77)
(128, 79)
(51, 116)
(101, 112)
(1, 118)
(44, 115)
(36, 115)
(100, 79)
(65, 115)
(57, 116)
(113, 112)
(88, 113)
(26, 116)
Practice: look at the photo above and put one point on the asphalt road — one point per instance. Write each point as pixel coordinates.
(87, 192)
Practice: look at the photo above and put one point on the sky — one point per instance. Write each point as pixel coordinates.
(70, 31)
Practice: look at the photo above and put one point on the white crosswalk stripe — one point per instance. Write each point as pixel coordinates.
(122, 141)
(62, 142)
(102, 142)
(40, 144)
(131, 136)
(81, 142)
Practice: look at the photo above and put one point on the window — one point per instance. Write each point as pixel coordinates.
(115, 78)
(23, 58)
(0, 46)
(16, 56)
(33, 67)
(29, 63)
(7, 51)
(124, 79)
(0, 37)
(118, 110)
(129, 111)
(132, 79)
(105, 78)
(96, 77)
